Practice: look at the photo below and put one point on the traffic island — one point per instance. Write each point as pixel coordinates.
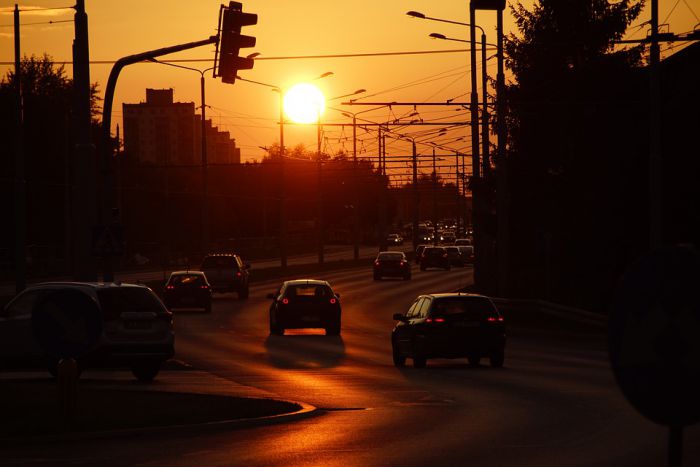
(33, 412)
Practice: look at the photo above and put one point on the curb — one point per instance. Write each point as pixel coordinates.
(305, 411)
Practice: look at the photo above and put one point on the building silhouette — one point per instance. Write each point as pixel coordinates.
(163, 132)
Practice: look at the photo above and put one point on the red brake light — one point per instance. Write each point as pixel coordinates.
(435, 320)
(333, 301)
(493, 319)
(402, 263)
(376, 263)
(203, 286)
(445, 255)
(238, 274)
(170, 287)
(285, 301)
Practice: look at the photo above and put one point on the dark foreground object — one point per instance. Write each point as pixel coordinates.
(33, 408)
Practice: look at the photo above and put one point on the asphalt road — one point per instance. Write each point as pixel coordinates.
(554, 403)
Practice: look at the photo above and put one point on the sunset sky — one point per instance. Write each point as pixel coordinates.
(286, 29)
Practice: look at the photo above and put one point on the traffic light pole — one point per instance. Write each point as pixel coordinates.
(20, 183)
(108, 179)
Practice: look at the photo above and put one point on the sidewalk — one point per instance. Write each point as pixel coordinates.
(112, 403)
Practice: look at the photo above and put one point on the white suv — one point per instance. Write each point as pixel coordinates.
(99, 324)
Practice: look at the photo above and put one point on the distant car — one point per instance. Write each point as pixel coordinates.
(136, 329)
(463, 241)
(467, 252)
(391, 263)
(394, 239)
(455, 256)
(305, 303)
(419, 252)
(227, 273)
(449, 326)
(447, 237)
(187, 289)
(434, 257)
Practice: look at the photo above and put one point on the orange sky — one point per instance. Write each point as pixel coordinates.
(303, 27)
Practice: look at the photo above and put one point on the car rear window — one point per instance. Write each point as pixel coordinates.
(463, 308)
(118, 300)
(219, 262)
(187, 279)
(309, 290)
(391, 256)
(467, 249)
(434, 251)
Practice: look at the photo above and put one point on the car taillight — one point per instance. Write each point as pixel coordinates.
(493, 319)
(402, 263)
(204, 287)
(376, 263)
(170, 287)
(333, 301)
(285, 301)
(238, 274)
(445, 255)
(435, 320)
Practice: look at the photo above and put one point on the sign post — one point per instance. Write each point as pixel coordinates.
(653, 340)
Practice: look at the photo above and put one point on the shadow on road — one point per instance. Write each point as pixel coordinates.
(305, 351)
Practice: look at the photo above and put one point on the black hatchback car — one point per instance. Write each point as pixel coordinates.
(187, 289)
(305, 303)
(227, 273)
(434, 257)
(449, 326)
(391, 263)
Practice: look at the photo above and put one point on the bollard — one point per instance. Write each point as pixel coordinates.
(67, 379)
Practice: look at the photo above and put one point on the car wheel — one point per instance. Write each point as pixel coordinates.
(419, 362)
(52, 367)
(243, 294)
(474, 360)
(497, 359)
(333, 330)
(399, 360)
(145, 371)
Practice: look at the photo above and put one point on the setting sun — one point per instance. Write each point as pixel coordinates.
(303, 103)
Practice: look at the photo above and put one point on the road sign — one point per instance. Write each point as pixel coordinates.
(107, 240)
(654, 332)
(67, 323)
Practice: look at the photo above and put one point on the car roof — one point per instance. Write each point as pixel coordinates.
(90, 285)
(455, 295)
(180, 273)
(306, 282)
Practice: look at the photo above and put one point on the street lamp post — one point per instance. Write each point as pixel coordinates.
(205, 164)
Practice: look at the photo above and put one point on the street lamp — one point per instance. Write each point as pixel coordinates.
(205, 174)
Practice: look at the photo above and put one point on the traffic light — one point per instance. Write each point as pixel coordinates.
(231, 41)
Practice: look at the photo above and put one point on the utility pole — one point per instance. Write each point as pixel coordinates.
(283, 193)
(459, 197)
(416, 199)
(435, 189)
(355, 210)
(382, 195)
(20, 183)
(320, 186)
(205, 172)
(655, 163)
(502, 193)
(485, 109)
(85, 208)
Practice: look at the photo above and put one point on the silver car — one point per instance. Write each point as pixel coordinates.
(102, 325)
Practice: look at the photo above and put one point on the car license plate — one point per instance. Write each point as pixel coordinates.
(137, 324)
(467, 324)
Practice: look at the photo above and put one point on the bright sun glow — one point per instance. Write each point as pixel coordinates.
(303, 103)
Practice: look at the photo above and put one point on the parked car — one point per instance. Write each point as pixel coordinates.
(187, 289)
(455, 256)
(467, 252)
(463, 241)
(131, 327)
(305, 303)
(394, 239)
(227, 273)
(434, 257)
(449, 326)
(447, 237)
(391, 263)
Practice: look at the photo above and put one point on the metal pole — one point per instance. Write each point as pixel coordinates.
(20, 183)
(415, 197)
(474, 107)
(205, 172)
(282, 204)
(502, 175)
(435, 216)
(485, 110)
(355, 211)
(85, 211)
(457, 199)
(320, 184)
(655, 165)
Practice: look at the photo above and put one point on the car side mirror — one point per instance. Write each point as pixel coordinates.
(271, 296)
(399, 317)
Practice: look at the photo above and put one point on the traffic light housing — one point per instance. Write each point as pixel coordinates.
(231, 41)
